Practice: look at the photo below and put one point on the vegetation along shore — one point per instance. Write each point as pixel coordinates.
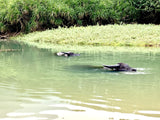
(108, 35)
(32, 15)
(82, 22)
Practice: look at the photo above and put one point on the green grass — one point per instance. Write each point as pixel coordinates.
(109, 35)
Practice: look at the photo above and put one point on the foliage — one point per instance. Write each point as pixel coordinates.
(149, 10)
(31, 15)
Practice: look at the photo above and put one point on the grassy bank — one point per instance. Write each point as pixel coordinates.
(109, 35)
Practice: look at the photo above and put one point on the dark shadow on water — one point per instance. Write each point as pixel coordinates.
(99, 69)
(10, 46)
(90, 69)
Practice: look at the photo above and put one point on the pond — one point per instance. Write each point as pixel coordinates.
(35, 84)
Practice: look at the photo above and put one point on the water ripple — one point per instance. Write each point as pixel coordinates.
(85, 113)
(98, 100)
(149, 112)
(14, 114)
(26, 118)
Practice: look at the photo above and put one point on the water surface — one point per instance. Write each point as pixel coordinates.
(36, 85)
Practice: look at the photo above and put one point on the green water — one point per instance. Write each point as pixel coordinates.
(36, 85)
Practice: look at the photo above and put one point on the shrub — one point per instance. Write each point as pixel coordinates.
(31, 15)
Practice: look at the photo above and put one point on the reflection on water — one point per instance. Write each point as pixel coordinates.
(36, 85)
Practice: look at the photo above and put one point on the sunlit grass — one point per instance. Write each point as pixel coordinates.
(109, 35)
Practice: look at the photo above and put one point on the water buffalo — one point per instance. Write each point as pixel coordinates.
(119, 67)
(67, 54)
